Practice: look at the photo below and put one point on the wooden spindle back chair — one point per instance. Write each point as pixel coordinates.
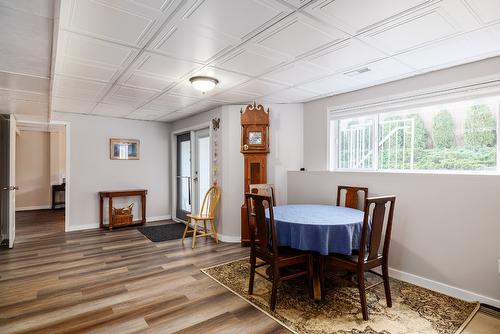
(351, 195)
(206, 214)
(264, 246)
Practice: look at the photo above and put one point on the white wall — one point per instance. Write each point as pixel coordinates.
(33, 170)
(286, 141)
(446, 227)
(91, 169)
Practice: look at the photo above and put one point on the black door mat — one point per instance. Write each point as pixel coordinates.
(164, 232)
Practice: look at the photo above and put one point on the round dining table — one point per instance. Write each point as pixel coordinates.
(322, 229)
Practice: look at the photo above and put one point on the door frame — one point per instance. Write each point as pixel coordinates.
(173, 168)
(67, 126)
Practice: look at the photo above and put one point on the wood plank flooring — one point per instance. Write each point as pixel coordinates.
(97, 281)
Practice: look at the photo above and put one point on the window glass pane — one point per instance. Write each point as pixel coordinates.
(355, 142)
(452, 136)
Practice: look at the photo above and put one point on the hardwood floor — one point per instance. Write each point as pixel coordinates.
(97, 281)
(38, 223)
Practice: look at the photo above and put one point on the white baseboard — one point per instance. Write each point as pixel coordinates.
(442, 288)
(154, 219)
(37, 207)
(229, 238)
(96, 225)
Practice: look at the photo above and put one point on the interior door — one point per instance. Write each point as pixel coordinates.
(201, 177)
(12, 181)
(184, 185)
(7, 178)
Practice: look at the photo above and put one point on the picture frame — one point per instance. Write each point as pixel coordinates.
(124, 149)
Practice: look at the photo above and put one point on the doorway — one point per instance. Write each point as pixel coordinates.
(38, 169)
(193, 171)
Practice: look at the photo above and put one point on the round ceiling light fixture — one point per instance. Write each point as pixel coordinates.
(203, 83)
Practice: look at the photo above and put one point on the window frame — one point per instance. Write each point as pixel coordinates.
(334, 115)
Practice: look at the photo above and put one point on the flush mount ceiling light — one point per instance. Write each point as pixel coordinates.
(203, 84)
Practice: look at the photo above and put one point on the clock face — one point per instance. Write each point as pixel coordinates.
(255, 138)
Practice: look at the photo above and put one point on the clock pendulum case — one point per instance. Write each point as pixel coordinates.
(255, 148)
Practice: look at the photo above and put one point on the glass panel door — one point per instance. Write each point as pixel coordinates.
(202, 167)
(184, 196)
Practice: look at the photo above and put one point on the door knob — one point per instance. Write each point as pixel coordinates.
(11, 188)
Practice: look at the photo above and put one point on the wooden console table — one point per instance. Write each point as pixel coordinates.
(55, 189)
(121, 193)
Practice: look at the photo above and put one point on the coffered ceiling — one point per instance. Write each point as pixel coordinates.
(133, 58)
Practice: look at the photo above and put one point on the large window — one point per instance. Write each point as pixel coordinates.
(460, 136)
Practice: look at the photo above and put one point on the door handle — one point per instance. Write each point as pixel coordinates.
(11, 188)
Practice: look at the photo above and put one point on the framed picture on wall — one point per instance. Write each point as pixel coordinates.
(124, 149)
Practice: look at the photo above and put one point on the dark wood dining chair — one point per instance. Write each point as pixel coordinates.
(369, 256)
(264, 246)
(351, 195)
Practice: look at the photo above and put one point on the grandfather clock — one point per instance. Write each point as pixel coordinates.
(255, 148)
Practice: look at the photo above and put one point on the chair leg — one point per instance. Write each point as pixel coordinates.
(387, 288)
(186, 229)
(362, 294)
(195, 224)
(253, 261)
(274, 292)
(214, 231)
(205, 228)
(310, 274)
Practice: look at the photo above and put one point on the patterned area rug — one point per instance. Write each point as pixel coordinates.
(415, 310)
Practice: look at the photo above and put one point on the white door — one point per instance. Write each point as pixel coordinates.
(12, 182)
(201, 168)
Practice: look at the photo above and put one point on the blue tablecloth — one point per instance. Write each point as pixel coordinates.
(321, 228)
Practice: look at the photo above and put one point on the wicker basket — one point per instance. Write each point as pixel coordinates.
(123, 216)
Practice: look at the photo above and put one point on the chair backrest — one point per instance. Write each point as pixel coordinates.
(351, 195)
(264, 189)
(210, 202)
(262, 230)
(380, 206)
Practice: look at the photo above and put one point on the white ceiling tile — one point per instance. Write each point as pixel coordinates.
(165, 66)
(236, 97)
(295, 74)
(23, 95)
(346, 55)
(109, 22)
(175, 101)
(23, 107)
(72, 105)
(93, 50)
(78, 88)
(414, 32)
(155, 4)
(357, 15)
(452, 51)
(203, 45)
(28, 83)
(112, 110)
(141, 80)
(291, 95)
(250, 62)
(157, 106)
(133, 93)
(146, 114)
(333, 83)
(298, 36)
(259, 87)
(235, 18)
(171, 117)
(85, 71)
(381, 70)
(488, 11)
